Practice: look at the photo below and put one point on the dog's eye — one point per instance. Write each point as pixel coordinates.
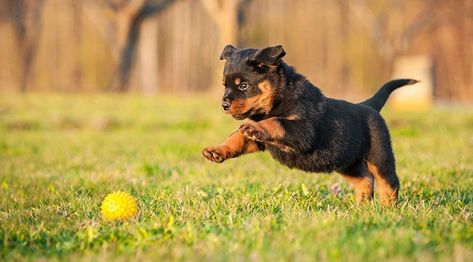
(243, 86)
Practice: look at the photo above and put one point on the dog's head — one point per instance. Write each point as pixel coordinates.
(248, 77)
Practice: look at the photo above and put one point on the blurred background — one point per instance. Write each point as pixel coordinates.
(104, 95)
(347, 48)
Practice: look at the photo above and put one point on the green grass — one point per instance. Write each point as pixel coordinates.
(60, 155)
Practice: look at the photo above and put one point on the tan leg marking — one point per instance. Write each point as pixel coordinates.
(363, 186)
(387, 194)
(236, 144)
(268, 131)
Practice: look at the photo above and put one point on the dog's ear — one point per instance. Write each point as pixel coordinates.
(270, 56)
(227, 52)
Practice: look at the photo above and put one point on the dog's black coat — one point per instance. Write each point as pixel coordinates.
(323, 134)
(331, 134)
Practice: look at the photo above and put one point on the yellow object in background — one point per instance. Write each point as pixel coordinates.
(119, 206)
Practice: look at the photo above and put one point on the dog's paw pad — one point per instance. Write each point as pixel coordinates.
(253, 133)
(215, 154)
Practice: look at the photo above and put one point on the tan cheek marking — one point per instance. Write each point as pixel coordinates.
(238, 106)
(265, 100)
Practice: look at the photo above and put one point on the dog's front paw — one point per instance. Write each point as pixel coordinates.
(253, 132)
(216, 153)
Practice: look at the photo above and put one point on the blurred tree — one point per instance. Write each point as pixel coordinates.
(344, 40)
(224, 14)
(451, 33)
(390, 42)
(346, 47)
(228, 17)
(25, 16)
(130, 17)
(77, 28)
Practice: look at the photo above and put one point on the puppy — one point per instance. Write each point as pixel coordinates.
(286, 115)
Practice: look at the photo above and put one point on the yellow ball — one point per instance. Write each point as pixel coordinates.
(118, 206)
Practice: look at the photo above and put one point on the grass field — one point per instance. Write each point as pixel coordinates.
(60, 155)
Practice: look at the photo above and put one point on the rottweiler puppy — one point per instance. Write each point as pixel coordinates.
(288, 116)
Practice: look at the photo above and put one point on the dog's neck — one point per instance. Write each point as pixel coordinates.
(289, 86)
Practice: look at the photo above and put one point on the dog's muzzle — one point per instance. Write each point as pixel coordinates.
(226, 103)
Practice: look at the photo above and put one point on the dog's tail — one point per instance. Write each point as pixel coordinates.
(379, 99)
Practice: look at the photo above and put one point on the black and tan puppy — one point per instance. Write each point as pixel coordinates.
(289, 117)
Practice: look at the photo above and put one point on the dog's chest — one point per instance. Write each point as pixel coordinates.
(306, 162)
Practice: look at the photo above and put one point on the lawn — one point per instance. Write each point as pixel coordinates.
(60, 155)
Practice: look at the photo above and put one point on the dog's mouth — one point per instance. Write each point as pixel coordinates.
(251, 113)
(239, 110)
(240, 116)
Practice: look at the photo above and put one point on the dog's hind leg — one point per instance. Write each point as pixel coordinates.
(381, 163)
(361, 180)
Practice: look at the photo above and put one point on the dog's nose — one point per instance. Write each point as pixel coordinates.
(226, 103)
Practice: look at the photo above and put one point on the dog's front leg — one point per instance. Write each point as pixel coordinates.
(270, 131)
(235, 145)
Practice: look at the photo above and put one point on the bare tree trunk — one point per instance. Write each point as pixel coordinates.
(344, 36)
(460, 52)
(148, 56)
(242, 18)
(131, 15)
(77, 28)
(127, 39)
(324, 48)
(26, 18)
(225, 15)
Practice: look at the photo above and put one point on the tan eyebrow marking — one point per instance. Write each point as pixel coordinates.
(237, 81)
(293, 117)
